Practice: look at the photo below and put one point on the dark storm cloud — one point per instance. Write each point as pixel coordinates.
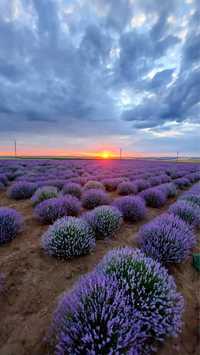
(64, 64)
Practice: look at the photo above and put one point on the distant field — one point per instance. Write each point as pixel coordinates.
(35, 280)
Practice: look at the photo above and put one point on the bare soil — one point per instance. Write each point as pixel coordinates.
(34, 281)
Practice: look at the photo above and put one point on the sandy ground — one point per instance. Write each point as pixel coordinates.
(34, 281)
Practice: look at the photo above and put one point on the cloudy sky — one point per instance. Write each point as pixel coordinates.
(90, 75)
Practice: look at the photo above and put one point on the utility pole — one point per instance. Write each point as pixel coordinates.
(120, 153)
(15, 148)
(177, 156)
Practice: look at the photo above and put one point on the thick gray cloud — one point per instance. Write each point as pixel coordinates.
(65, 64)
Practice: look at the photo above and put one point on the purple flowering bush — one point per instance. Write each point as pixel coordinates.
(182, 183)
(50, 210)
(191, 198)
(169, 189)
(111, 183)
(93, 184)
(193, 177)
(104, 220)
(68, 237)
(149, 289)
(132, 208)
(94, 197)
(186, 211)
(72, 188)
(167, 239)
(10, 224)
(155, 180)
(141, 184)
(96, 318)
(44, 193)
(21, 190)
(126, 188)
(154, 197)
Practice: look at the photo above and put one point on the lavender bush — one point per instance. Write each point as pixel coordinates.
(50, 210)
(186, 211)
(68, 237)
(154, 197)
(111, 183)
(126, 188)
(21, 190)
(141, 184)
(192, 198)
(95, 318)
(104, 220)
(182, 183)
(10, 224)
(132, 208)
(44, 193)
(72, 188)
(149, 289)
(167, 239)
(169, 189)
(94, 197)
(93, 184)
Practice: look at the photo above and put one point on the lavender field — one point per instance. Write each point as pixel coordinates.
(96, 257)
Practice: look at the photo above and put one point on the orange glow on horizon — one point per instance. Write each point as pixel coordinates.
(95, 154)
(106, 154)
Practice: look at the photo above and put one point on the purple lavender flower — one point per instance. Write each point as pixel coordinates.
(169, 189)
(155, 180)
(68, 237)
(21, 190)
(72, 188)
(167, 239)
(111, 183)
(10, 224)
(104, 220)
(182, 183)
(50, 210)
(141, 184)
(44, 193)
(95, 318)
(193, 177)
(126, 188)
(192, 198)
(149, 289)
(93, 184)
(186, 211)
(132, 208)
(154, 197)
(94, 197)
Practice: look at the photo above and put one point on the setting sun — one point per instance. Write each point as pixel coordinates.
(105, 155)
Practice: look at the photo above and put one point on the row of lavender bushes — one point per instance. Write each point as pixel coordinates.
(133, 281)
(49, 207)
(25, 189)
(170, 237)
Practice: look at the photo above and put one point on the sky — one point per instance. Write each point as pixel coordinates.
(85, 76)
